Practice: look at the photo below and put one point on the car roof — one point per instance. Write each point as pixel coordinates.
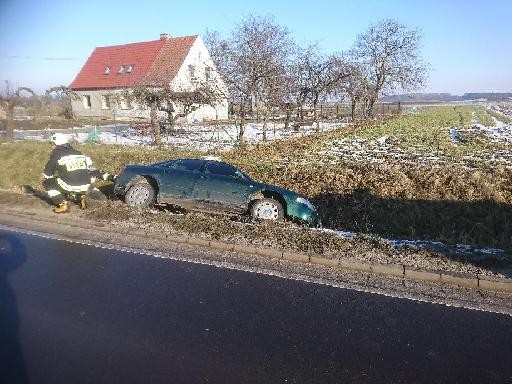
(207, 159)
(204, 161)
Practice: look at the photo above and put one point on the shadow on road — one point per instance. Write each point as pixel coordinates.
(12, 366)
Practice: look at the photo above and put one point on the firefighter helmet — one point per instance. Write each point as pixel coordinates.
(59, 139)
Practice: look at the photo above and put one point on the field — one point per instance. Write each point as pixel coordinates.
(439, 174)
(407, 177)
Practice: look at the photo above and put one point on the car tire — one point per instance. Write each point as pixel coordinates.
(267, 209)
(141, 194)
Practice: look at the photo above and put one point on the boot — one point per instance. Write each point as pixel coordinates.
(62, 208)
(83, 202)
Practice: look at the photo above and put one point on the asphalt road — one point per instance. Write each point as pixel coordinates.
(72, 313)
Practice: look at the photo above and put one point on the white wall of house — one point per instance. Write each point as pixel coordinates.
(108, 104)
(199, 59)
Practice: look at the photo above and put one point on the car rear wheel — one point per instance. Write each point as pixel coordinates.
(141, 194)
(267, 209)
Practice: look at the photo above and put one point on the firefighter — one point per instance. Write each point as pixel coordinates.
(68, 173)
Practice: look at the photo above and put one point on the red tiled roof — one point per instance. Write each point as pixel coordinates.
(155, 62)
(167, 64)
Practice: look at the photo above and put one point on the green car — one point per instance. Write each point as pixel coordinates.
(210, 185)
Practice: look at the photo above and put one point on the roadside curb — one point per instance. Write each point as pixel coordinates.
(399, 271)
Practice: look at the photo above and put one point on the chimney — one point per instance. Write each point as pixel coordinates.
(165, 36)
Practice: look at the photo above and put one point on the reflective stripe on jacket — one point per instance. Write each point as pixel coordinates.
(72, 188)
(71, 167)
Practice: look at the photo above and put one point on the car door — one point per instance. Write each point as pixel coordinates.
(179, 179)
(223, 187)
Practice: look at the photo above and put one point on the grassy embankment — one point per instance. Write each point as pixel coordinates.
(444, 201)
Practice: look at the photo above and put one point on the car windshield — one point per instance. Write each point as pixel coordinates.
(188, 165)
(182, 165)
(223, 169)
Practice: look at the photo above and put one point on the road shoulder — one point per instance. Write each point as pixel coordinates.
(447, 287)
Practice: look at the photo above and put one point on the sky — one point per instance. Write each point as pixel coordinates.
(44, 43)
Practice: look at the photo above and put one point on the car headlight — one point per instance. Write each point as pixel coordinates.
(306, 202)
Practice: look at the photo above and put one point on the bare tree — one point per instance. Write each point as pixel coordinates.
(9, 101)
(277, 93)
(62, 92)
(285, 94)
(175, 103)
(389, 53)
(5, 101)
(356, 87)
(5, 95)
(318, 76)
(251, 60)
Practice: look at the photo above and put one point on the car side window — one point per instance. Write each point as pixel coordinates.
(223, 169)
(188, 165)
(168, 164)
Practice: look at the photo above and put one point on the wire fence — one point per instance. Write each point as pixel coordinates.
(325, 112)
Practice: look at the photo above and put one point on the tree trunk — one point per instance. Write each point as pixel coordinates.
(315, 116)
(71, 115)
(264, 129)
(365, 107)
(154, 123)
(371, 106)
(287, 119)
(10, 123)
(353, 103)
(242, 126)
(170, 120)
(374, 97)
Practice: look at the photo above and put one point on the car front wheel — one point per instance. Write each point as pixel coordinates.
(141, 194)
(267, 209)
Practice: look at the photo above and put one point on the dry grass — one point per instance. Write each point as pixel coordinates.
(23, 162)
(283, 235)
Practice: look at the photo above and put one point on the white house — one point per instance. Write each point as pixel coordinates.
(180, 62)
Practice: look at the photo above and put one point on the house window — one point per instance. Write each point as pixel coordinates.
(121, 69)
(107, 70)
(130, 68)
(208, 73)
(86, 100)
(124, 103)
(105, 102)
(192, 72)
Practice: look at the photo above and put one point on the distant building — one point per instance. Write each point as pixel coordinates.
(179, 62)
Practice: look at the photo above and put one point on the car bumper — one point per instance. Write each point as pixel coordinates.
(121, 183)
(304, 214)
(313, 220)
(119, 189)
